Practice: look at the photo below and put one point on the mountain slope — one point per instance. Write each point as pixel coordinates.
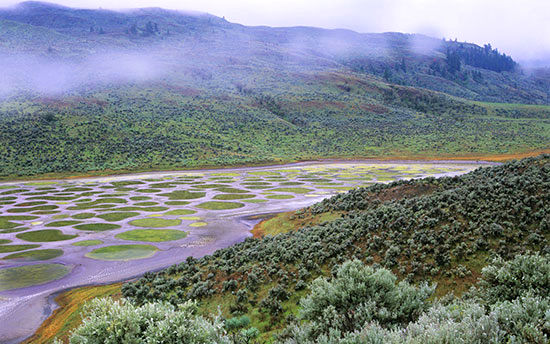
(96, 90)
(161, 126)
(413, 60)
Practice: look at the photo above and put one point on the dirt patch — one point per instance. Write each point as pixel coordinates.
(289, 221)
(377, 109)
(404, 191)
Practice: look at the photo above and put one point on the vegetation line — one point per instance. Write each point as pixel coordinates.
(274, 163)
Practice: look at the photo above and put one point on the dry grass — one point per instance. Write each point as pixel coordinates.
(286, 222)
(68, 316)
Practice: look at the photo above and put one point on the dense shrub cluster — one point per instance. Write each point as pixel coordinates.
(121, 322)
(431, 229)
(492, 316)
(360, 294)
(359, 305)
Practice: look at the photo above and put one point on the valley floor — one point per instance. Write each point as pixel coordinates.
(208, 195)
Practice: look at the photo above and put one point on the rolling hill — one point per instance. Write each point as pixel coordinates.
(98, 90)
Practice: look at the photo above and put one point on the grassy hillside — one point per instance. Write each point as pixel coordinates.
(323, 115)
(439, 230)
(97, 90)
(415, 60)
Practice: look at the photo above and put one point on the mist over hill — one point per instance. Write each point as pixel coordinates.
(82, 47)
(94, 90)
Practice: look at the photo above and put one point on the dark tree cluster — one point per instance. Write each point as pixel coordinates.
(472, 55)
(150, 29)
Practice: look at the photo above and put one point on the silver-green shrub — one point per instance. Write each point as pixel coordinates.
(508, 280)
(108, 322)
(360, 294)
(491, 314)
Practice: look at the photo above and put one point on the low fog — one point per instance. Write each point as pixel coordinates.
(50, 76)
(195, 60)
(196, 49)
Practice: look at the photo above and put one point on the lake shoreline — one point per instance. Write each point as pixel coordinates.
(156, 172)
(32, 305)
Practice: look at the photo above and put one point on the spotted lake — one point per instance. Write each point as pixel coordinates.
(60, 234)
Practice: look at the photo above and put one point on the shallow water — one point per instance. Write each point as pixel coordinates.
(23, 309)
